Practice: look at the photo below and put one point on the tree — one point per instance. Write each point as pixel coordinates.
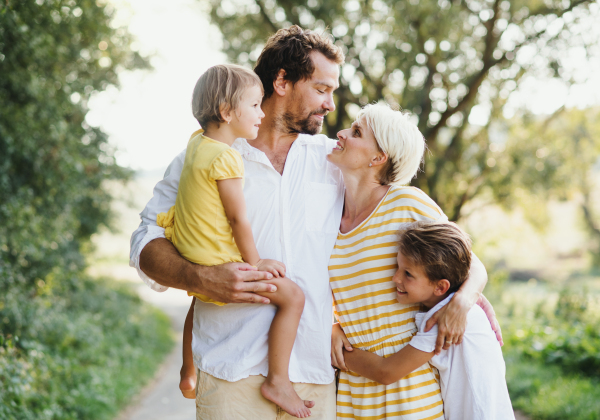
(555, 158)
(442, 60)
(53, 55)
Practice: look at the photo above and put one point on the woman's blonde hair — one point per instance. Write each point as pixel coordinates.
(398, 138)
(221, 84)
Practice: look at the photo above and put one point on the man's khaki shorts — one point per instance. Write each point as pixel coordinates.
(217, 399)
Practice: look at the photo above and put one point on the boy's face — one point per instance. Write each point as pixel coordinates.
(413, 285)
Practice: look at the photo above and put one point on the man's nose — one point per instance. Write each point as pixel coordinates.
(329, 103)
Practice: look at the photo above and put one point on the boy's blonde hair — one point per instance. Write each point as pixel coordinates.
(223, 84)
(399, 139)
(441, 248)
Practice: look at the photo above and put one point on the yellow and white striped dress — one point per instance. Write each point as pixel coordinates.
(360, 269)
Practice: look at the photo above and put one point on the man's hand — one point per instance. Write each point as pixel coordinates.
(452, 322)
(235, 283)
(491, 315)
(339, 342)
(228, 283)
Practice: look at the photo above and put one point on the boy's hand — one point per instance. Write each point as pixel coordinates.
(339, 342)
(491, 315)
(271, 266)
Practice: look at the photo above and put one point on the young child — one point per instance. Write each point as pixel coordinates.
(433, 261)
(208, 224)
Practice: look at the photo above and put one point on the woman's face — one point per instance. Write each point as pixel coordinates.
(356, 147)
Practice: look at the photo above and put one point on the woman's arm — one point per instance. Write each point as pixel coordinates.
(231, 192)
(452, 318)
(386, 370)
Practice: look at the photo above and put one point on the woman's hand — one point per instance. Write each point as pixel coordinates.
(491, 315)
(451, 321)
(339, 342)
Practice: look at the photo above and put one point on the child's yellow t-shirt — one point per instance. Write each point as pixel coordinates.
(197, 224)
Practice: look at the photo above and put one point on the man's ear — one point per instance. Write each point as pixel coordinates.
(225, 111)
(280, 84)
(441, 287)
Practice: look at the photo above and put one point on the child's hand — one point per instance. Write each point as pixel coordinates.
(339, 342)
(271, 266)
(491, 315)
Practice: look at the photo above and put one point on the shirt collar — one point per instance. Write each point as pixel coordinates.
(251, 153)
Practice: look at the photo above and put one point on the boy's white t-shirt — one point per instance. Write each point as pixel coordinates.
(471, 373)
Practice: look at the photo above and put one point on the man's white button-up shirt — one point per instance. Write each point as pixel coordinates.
(295, 219)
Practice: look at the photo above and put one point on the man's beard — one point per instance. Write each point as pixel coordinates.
(303, 126)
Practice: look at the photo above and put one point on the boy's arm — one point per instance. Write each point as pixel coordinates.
(452, 318)
(232, 196)
(386, 370)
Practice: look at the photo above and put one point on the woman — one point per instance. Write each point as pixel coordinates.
(383, 149)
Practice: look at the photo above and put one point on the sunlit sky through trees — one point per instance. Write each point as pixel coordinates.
(149, 118)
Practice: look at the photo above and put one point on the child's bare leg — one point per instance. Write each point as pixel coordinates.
(187, 385)
(289, 300)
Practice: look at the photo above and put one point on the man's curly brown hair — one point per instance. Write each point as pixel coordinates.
(289, 49)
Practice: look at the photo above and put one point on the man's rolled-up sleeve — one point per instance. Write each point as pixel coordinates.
(163, 198)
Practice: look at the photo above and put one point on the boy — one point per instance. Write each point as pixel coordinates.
(433, 261)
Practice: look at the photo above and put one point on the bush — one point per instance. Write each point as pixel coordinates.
(81, 353)
(552, 355)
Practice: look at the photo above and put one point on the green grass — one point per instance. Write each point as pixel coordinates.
(545, 392)
(80, 353)
(552, 347)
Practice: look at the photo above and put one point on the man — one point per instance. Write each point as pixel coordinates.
(294, 201)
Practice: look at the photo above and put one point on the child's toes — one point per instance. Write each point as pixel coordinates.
(309, 404)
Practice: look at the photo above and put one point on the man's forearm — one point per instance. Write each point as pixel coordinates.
(228, 283)
(161, 261)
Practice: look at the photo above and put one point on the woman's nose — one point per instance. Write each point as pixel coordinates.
(340, 134)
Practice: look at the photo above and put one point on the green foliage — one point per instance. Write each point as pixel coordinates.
(569, 338)
(552, 353)
(545, 393)
(70, 348)
(81, 353)
(436, 58)
(554, 157)
(53, 55)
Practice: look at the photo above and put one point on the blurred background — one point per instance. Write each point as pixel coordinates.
(95, 103)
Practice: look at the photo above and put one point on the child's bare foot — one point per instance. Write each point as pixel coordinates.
(282, 393)
(187, 385)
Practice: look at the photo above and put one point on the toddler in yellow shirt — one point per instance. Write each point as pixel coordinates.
(208, 224)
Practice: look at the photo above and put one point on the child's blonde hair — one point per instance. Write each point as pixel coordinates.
(223, 84)
(442, 248)
(397, 137)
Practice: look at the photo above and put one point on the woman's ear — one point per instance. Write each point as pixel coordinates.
(380, 159)
(280, 84)
(441, 287)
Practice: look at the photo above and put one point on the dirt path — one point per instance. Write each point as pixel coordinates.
(161, 399)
